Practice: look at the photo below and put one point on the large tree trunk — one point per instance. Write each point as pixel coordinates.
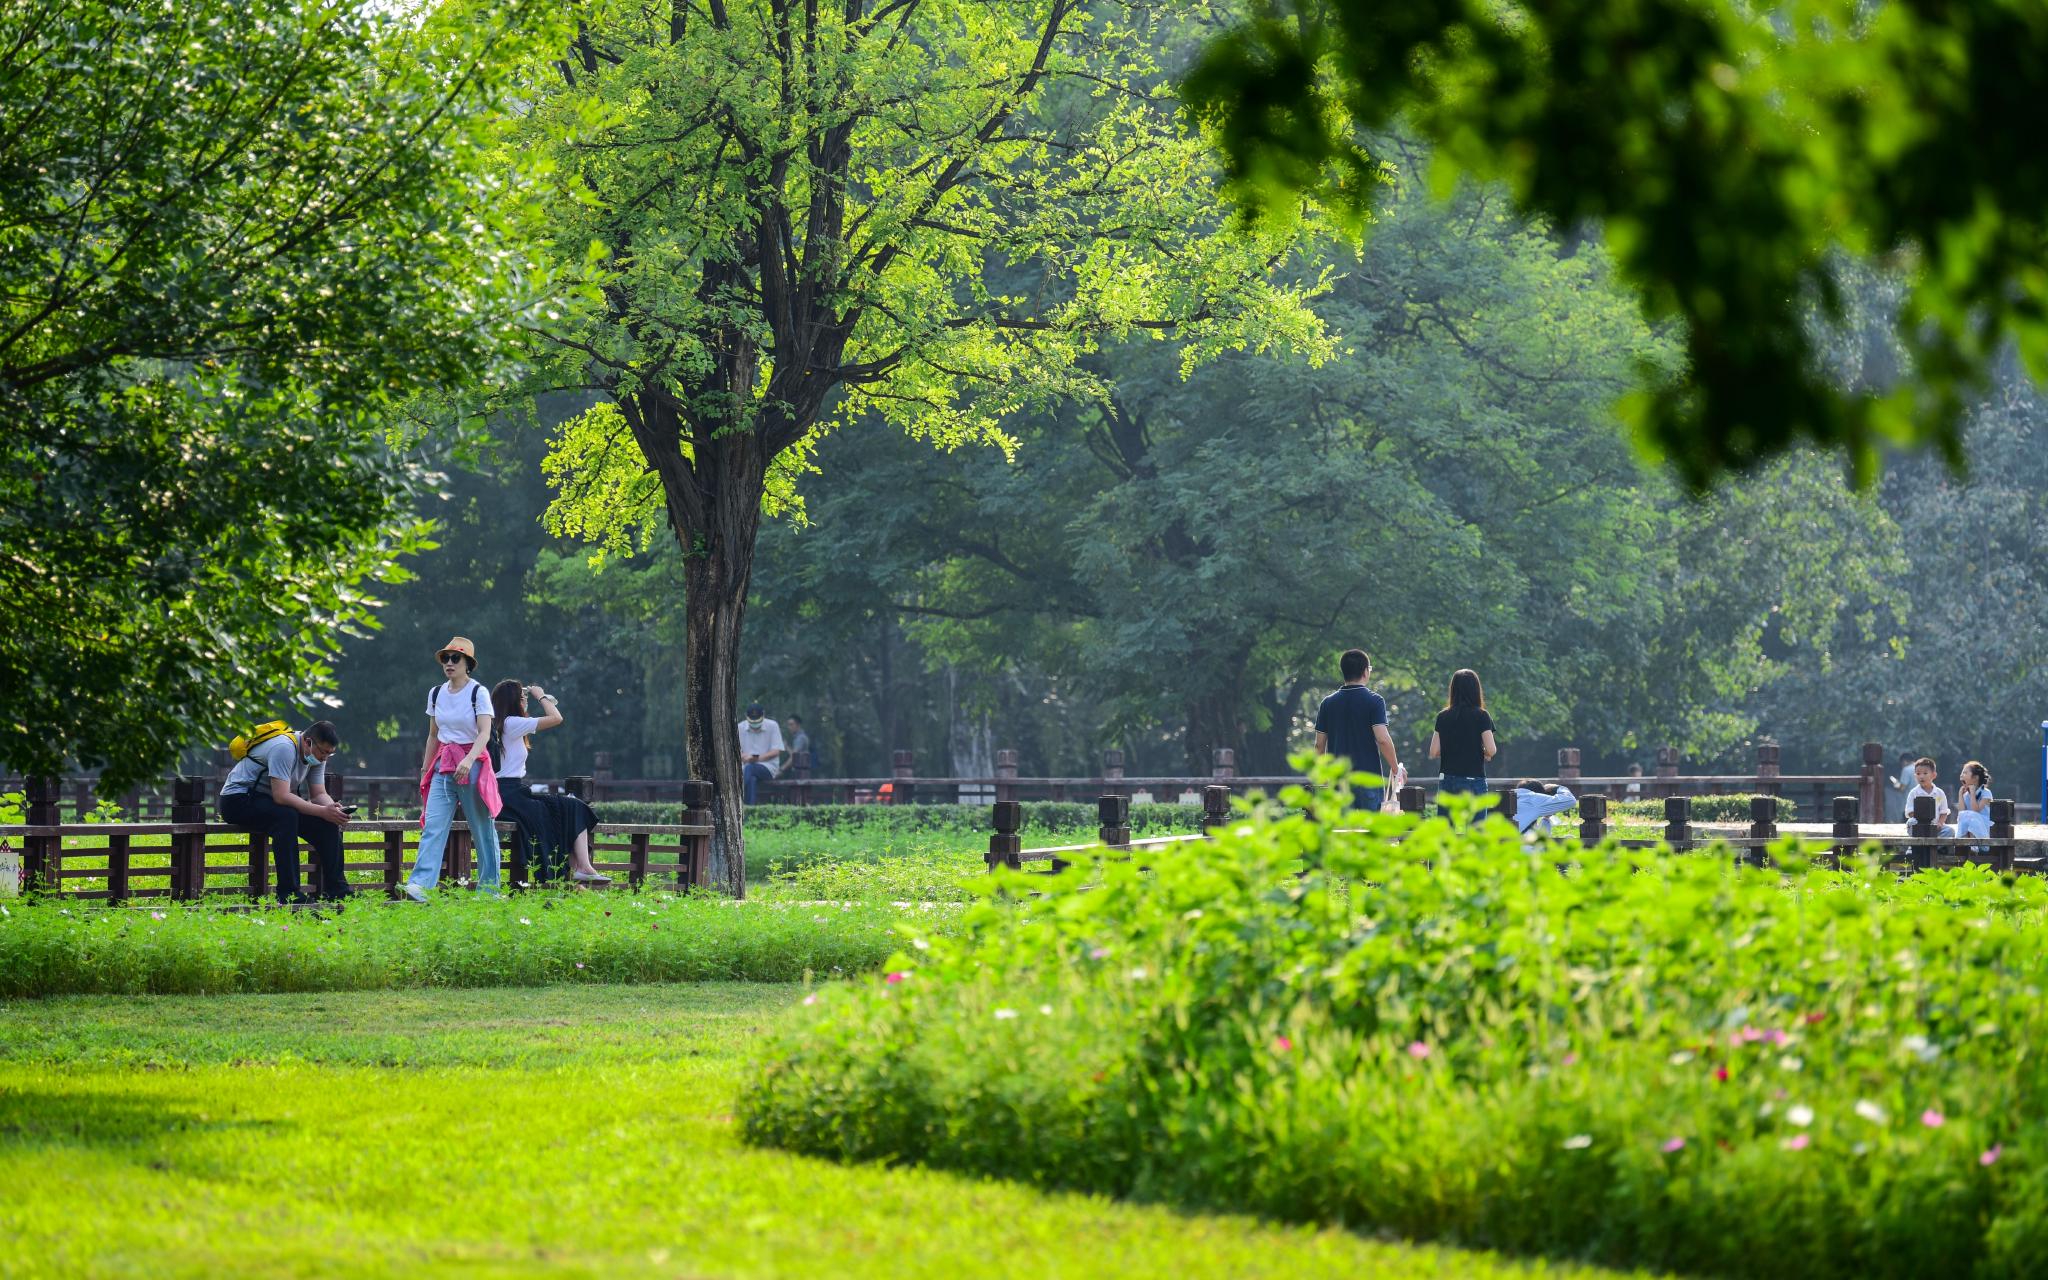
(714, 501)
(715, 600)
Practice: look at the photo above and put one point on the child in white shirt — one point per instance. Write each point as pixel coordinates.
(1923, 785)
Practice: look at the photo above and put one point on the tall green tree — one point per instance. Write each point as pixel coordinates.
(1731, 153)
(919, 214)
(235, 239)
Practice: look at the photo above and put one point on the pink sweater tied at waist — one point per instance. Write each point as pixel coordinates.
(480, 774)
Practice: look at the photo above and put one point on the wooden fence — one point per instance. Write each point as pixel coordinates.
(188, 857)
(1922, 846)
(398, 795)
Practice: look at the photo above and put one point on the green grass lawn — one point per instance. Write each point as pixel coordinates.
(573, 1131)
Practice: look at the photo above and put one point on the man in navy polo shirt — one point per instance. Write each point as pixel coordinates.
(1352, 723)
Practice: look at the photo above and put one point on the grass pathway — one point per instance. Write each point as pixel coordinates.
(560, 1131)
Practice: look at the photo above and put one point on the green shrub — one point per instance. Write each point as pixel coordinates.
(1704, 809)
(1690, 1066)
(1041, 817)
(48, 948)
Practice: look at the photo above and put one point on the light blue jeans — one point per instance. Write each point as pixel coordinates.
(483, 833)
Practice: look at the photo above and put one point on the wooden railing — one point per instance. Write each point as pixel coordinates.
(189, 857)
(383, 795)
(1920, 847)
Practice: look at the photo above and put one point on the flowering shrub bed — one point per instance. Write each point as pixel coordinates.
(535, 938)
(1689, 1066)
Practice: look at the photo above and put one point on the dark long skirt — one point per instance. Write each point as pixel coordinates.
(547, 828)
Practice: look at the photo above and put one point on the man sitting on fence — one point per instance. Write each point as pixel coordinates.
(260, 795)
(760, 750)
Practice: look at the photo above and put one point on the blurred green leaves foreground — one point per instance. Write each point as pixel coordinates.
(237, 237)
(1732, 153)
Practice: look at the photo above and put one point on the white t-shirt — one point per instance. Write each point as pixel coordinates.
(1940, 801)
(762, 741)
(516, 730)
(455, 714)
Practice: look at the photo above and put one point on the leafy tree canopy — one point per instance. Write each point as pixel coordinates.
(920, 214)
(1730, 153)
(235, 237)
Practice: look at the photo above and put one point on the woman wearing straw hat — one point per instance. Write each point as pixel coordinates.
(455, 769)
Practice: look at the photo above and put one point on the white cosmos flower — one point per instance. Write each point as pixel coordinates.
(1800, 1115)
(1870, 1111)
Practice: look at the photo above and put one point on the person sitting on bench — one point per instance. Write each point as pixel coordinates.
(260, 796)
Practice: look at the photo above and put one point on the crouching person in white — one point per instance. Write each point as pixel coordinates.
(1539, 802)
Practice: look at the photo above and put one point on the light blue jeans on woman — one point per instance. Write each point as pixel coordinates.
(483, 833)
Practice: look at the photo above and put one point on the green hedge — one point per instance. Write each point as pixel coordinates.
(1046, 816)
(1733, 808)
(1687, 1066)
(529, 939)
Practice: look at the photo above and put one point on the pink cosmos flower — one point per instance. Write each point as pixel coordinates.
(1673, 1145)
(1571, 1058)
(579, 964)
(1418, 1050)
(1721, 1074)
(1749, 1035)
(895, 978)
(1991, 1154)
(1099, 953)
(810, 1000)
(1933, 1119)
(1281, 1044)
(1797, 1142)
(156, 915)
(1776, 1036)
(1813, 1018)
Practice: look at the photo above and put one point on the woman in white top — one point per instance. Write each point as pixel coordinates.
(454, 771)
(550, 827)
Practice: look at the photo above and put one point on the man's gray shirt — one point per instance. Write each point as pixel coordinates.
(278, 758)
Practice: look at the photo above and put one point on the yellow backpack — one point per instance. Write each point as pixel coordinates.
(244, 743)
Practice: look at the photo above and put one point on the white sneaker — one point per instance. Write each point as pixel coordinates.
(414, 892)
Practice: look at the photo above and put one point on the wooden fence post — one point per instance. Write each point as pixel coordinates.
(1763, 821)
(1871, 784)
(1215, 806)
(1592, 821)
(1224, 764)
(636, 860)
(394, 862)
(1006, 844)
(1504, 801)
(1006, 775)
(373, 804)
(1847, 835)
(1667, 769)
(600, 774)
(1678, 823)
(188, 852)
(1411, 798)
(1922, 825)
(2001, 829)
(1767, 770)
(1113, 814)
(117, 868)
(903, 773)
(697, 794)
(1568, 774)
(1113, 773)
(42, 857)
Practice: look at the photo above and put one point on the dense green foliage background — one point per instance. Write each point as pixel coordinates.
(1177, 570)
